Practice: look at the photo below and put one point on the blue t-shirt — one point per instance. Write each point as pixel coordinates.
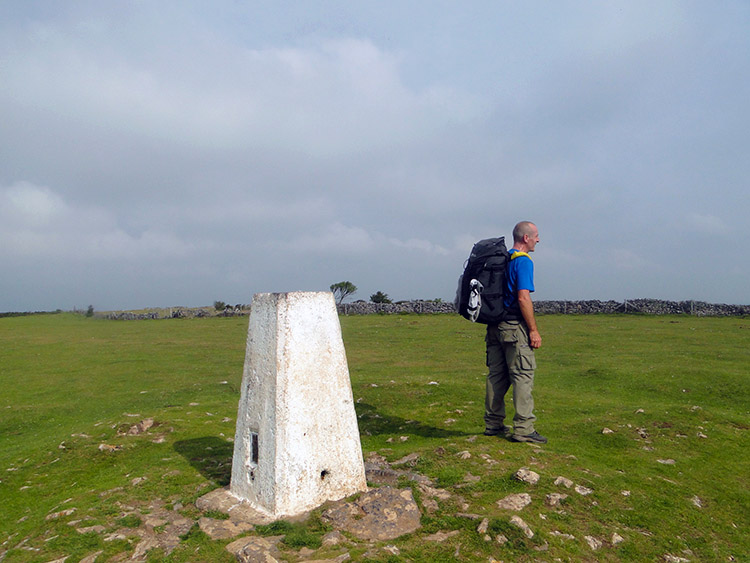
(518, 275)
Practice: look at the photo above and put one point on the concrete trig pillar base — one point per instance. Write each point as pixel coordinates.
(297, 442)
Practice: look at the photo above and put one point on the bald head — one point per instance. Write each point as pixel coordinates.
(523, 228)
(525, 236)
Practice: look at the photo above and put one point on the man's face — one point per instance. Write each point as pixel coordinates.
(532, 239)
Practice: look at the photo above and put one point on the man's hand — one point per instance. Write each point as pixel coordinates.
(535, 339)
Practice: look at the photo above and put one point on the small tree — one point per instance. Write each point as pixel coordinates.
(219, 305)
(342, 290)
(90, 311)
(380, 297)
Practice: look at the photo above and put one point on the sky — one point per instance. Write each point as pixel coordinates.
(176, 153)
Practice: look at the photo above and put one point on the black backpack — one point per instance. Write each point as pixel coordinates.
(481, 287)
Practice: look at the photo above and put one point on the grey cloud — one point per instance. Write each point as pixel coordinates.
(170, 151)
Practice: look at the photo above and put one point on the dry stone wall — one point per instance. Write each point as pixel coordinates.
(642, 306)
(590, 307)
(587, 307)
(402, 307)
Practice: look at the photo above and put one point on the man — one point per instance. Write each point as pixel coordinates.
(511, 345)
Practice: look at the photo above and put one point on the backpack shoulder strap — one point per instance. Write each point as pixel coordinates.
(518, 253)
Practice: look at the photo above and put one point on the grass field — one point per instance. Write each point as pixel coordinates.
(671, 479)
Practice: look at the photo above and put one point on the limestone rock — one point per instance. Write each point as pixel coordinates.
(91, 558)
(143, 426)
(519, 523)
(560, 534)
(333, 538)
(340, 559)
(440, 494)
(565, 482)
(223, 529)
(442, 536)
(516, 501)
(221, 500)
(430, 505)
(56, 515)
(343, 557)
(98, 529)
(469, 478)
(468, 515)
(554, 499)
(584, 491)
(148, 543)
(594, 543)
(488, 459)
(153, 521)
(304, 553)
(161, 529)
(617, 539)
(379, 514)
(410, 459)
(526, 475)
(255, 549)
(381, 475)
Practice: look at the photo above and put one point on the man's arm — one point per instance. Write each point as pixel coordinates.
(527, 312)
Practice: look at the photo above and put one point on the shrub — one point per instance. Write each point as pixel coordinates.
(380, 297)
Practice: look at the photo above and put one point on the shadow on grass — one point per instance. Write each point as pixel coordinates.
(210, 455)
(374, 424)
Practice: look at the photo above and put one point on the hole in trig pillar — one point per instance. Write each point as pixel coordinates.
(252, 463)
(254, 447)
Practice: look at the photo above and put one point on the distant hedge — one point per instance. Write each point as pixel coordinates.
(27, 313)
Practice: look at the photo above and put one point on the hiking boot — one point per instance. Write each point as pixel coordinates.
(506, 431)
(535, 438)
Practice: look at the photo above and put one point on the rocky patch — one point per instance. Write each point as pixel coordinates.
(379, 514)
(223, 529)
(527, 476)
(256, 549)
(516, 502)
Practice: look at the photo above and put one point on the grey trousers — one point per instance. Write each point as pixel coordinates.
(511, 362)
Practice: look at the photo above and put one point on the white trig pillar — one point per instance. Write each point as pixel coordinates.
(297, 442)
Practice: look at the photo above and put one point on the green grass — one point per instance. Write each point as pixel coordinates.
(70, 383)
